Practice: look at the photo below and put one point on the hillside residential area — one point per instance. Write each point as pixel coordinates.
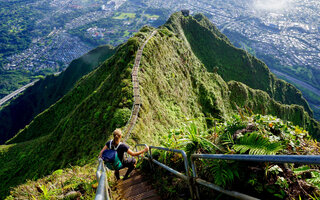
(159, 99)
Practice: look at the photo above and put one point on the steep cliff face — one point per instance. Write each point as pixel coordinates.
(46, 92)
(180, 86)
(176, 84)
(260, 102)
(216, 52)
(72, 130)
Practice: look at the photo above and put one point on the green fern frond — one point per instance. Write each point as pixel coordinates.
(315, 180)
(257, 145)
(223, 172)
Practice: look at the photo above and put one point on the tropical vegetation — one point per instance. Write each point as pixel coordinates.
(188, 71)
(245, 134)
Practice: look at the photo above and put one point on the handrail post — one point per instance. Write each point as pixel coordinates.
(190, 179)
(302, 159)
(194, 176)
(150, 158)
(186, 177)
(148, 154)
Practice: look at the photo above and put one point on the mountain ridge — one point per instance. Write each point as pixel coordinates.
(46, 92)
(221, 55)
(176, 86)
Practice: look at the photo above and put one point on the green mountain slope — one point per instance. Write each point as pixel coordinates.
(217, 53)
(73, 129)
(46, 92)
(175, 86)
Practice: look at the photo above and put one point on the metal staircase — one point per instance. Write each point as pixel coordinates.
(138, 187)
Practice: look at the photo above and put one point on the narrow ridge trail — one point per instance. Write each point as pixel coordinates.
(137, 186)
(136, 89)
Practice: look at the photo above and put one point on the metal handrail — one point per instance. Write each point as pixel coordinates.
(185, 176)
(103, 187)
(142, 145)
(302, 159)
(193, 180)
(102, 191)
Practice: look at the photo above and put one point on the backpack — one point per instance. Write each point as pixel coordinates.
(111, 159)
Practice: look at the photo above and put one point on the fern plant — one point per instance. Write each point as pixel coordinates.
(223, 172)
(193, 140)
(315, 179)
(256, 145)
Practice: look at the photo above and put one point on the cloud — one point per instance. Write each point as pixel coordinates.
(272, 5)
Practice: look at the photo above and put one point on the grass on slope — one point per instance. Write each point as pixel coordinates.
(242, 134)
(73, 130)
(69, 183)
(218, 54)
(46, 92)
(175, 87)
(260, 102)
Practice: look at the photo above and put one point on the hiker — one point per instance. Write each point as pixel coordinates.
(121, 148)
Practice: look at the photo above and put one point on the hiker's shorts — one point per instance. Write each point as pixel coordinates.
(129, 162)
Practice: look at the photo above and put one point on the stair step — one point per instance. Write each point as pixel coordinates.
(131, 185)
(131, 181)
(145, 195)
(136, 189)
(122, 172)
(154, 198)
(135, 184)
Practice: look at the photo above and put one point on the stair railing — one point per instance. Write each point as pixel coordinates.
(103, 187)
(302, 159)
(193, 180)
(185, 176)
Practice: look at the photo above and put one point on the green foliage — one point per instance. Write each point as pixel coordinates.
(74, 129)
(193, 140)
(256, 144)
(315, 175)
(69, 131)
(120, 117)
(315, 179)
(224, 172)
(45, 93)
(59, 184)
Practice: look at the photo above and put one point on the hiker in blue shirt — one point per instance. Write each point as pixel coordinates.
(121, 148)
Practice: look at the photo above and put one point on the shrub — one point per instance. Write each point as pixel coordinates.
(120, 117)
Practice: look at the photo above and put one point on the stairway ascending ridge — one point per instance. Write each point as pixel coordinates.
(137, 187)
(136, 89)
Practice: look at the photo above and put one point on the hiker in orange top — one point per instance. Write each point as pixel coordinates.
(121, 148)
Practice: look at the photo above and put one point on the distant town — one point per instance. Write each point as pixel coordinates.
(284, 34)
(102, 22)
(290, 35)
